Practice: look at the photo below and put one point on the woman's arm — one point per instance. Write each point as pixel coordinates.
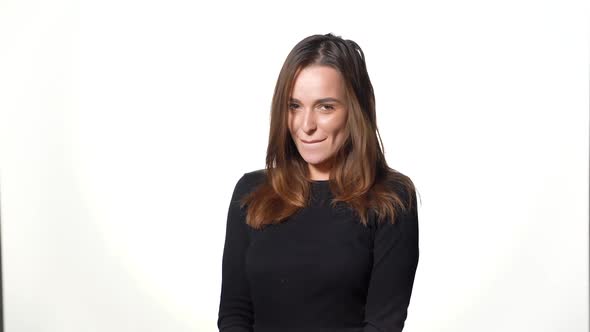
(395, 259)
(235, 307)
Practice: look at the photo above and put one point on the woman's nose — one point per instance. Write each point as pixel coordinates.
(309, 121)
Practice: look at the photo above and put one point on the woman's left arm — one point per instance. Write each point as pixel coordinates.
(395, 260)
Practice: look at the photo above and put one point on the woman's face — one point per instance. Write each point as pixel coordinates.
(317, 115)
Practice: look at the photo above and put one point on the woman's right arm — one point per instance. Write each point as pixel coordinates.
(235, 307)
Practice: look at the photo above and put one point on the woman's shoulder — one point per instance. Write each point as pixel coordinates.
(255, 177)
(256, 174)
(402, 185)
(249, 180)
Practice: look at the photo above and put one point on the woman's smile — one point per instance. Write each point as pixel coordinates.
(311, 142)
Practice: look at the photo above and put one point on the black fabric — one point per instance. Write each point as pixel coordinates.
(319, 271)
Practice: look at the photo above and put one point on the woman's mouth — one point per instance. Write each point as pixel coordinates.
(313, 141)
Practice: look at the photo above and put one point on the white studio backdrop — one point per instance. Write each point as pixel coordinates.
(124, 126)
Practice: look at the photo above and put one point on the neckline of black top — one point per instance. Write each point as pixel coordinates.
(320, 190)
(320, 184)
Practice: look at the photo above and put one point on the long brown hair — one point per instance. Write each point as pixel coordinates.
(360, 176)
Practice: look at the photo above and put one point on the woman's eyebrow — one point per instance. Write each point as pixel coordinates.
(322, 100)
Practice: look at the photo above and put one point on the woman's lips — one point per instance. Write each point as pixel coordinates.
(313, 141)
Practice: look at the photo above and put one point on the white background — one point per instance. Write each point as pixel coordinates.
(124, 126)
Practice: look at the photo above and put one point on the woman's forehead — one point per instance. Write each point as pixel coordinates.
(317, 82)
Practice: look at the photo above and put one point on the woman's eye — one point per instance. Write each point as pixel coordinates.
(327, 107)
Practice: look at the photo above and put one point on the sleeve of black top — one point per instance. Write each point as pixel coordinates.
(395, 259)
(235, 306)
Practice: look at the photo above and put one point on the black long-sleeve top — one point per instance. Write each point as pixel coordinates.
(319, 271)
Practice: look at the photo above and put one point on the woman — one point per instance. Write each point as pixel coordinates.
(325, 238)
